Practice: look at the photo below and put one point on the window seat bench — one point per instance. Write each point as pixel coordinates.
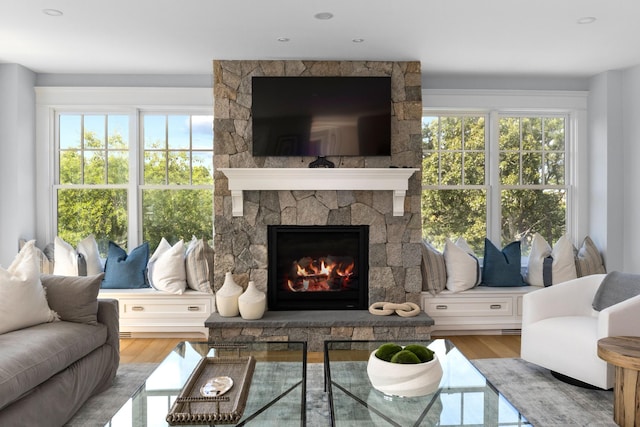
(480, 310)
(148, 313)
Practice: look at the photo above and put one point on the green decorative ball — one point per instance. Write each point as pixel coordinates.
(386, 351)
(405, 357)
(423, 353)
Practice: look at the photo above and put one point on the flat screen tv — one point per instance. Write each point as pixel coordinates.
(321, 116)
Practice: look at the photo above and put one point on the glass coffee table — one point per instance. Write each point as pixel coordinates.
(464, 397)
(277, 394)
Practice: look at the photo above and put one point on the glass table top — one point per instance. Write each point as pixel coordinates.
(276, 396)
(464, 396)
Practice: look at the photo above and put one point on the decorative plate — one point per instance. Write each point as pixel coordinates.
(216, 386)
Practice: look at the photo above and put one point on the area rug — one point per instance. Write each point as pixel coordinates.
(541, 398)
(544, 400)
(99, 409)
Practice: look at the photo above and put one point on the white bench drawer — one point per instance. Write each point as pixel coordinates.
(156, 307)
(464, 307)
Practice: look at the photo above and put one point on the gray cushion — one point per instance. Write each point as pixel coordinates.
(615, 288)
(33, 355)
(74, 298)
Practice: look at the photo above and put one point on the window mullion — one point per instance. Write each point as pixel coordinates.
(166, 151)
(520, 151)
(82, 149)
(439, 151)
(106, 149)
(493, 178)
(462, 150)
(136, 168)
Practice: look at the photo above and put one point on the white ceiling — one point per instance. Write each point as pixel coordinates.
(518, 37)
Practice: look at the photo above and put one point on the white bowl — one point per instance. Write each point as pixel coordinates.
(406, 380)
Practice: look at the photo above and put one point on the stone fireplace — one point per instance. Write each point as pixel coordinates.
(241, 240)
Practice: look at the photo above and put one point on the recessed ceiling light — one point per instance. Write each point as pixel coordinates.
(358, 40)
(323, 15)
(283, 39)
(586, 20)
(52, 12)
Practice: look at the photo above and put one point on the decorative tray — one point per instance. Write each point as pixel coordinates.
(215, 393)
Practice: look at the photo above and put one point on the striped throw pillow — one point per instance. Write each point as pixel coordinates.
(199, 266)
(588, 259)
(434, 274)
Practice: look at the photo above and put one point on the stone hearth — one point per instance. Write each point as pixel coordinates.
(315, 327)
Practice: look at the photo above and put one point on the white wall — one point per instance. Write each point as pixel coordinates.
(125, 80)
(630, 199)
(17, 159)
(503, 82)
(607, 172)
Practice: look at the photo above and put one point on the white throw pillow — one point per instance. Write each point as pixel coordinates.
(23, 301)
(166, 269)
(88, 247)
(463, 268)
(67, 260)
(563, 265)
(44, 256)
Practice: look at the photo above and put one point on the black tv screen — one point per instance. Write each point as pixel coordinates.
(321, 116)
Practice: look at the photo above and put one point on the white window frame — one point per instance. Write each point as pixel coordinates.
(494, 104)
(107, 100)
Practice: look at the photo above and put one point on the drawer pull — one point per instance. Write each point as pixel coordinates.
(441, 307)
(137, 308)
(495, 306)
(193, 308)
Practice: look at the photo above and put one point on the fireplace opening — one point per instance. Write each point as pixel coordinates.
(318, 267)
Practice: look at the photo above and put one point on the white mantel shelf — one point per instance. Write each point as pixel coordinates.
(394, 179)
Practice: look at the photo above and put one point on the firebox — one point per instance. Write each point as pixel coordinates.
(318, 267)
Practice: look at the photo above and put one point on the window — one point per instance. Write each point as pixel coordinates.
(115, 185)
(93, 177)
(531, 156)
(177, 195)
(494, 174)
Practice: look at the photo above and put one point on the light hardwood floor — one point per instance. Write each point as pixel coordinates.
(154, 350)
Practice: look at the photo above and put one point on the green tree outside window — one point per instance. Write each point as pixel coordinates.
(457, 197)
(93, 187)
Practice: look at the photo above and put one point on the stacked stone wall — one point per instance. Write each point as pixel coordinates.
(394, 243)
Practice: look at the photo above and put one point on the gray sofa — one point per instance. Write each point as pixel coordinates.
(48, 371)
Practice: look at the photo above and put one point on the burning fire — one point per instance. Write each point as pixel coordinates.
(324, 274)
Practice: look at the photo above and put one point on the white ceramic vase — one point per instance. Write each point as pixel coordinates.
(406, 380)
(252, 303)
(227, 297)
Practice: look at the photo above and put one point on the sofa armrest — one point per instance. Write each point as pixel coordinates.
(108, 316)
(571, 298)
(621, 319)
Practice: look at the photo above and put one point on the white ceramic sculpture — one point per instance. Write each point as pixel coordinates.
(227, 297)
(406, 380)
(252, 303)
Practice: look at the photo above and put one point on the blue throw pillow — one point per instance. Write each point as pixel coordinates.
(123, 271)
(502, 268)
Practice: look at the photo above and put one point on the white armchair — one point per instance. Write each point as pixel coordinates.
(560, 329)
